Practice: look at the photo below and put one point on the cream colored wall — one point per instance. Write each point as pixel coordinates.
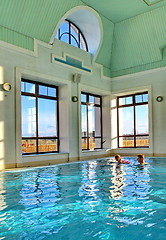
(16, 63)
(154, 82)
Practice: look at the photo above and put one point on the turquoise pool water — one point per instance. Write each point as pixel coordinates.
(94, 199)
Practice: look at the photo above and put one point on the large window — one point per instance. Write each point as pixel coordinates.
(91, 110)
(39, 117)
(133, 130)
(71, 34)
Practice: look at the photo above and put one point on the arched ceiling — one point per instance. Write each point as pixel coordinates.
(119, 10)
(134, 33)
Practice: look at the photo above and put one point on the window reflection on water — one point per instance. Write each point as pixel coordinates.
(117, 181)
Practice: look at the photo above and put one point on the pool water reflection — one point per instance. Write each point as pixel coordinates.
(95, 199)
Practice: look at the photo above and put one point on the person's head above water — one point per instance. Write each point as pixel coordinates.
(140, 158)
(118, 158)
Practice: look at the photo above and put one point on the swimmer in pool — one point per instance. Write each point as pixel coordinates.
(119, 159)
(140, 159)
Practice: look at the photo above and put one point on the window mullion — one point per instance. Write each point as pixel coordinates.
(134, 121)
(37, 118)
(69, 33)
(37, 132)
(87, 126)
(117, 102)
(101, 122)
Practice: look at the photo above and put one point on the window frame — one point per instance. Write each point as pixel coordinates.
(70, 35)
(37, 96)
(87, 103)
(133, 104)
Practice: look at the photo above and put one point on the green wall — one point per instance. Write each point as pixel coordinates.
(139, 43)
(130, 46)
(21, 21)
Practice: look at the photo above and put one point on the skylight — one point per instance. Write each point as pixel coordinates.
(151, 2)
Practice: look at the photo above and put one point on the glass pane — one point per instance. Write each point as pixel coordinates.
(43, 90)
(47, 91)
(82, 43)
(74, 31)
(52, 92)
(129, 100)
(47, 145)
(64, 27)
(142, 141)
(29, 87)
(91, 143)
(142, 119)
(126, 142)
(22, 86)
(121, 101)
(91, 99)
(139, 98)
(65, 38)
(28, 116)
(84, 143)
(126, 121)
(47, 115)
(97, 143)
(91, 120)
(97, 100)
(145, 97)
(83, 98)
(125, 100)
(74, 42)
(29, 146)
(84, 120)
(97, 119)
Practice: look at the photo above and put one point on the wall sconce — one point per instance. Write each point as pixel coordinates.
(159, 98)
(76, 77)
(6, 87)
(74, 99)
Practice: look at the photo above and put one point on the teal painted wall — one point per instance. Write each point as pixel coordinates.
(139, 43)
(34, 18)
(16, 38)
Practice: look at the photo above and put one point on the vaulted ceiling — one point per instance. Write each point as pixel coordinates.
(134, 33)
(119, 10)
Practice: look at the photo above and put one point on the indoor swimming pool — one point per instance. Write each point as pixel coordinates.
(96, 199)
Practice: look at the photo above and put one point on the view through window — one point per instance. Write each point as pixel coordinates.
(133, 127)
(71, 34)
(91, 111)
(39, 117)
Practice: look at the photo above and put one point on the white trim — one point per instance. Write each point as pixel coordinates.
(31, 75)
(23, 50)
(68, 13)
(63, 57)
(133, 91)
(34, 53)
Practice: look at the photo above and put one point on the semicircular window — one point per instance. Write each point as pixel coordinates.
(71, 34)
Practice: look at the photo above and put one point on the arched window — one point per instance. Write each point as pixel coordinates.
(71, 34)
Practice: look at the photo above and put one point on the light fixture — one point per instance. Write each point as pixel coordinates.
(74, 99)
(151, 2)
(76, 77)
(159, 98)
(6, 86)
